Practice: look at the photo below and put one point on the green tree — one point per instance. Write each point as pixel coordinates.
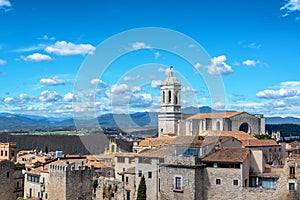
(95, 185)
(263, 137)
(141, 195)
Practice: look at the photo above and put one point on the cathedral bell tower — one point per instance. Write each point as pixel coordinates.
(170, 113)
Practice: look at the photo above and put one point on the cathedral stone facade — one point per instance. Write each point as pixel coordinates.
(171, 120)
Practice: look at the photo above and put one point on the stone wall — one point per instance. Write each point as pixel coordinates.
(7, 180)
(109, 189)
(252, 121)
(189, 170)
(151, 183)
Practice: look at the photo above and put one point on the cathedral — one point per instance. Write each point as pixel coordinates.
(171, 120)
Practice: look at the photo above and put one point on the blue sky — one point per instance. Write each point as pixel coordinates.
(253, 47)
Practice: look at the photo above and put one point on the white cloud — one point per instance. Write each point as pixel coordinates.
(156, 55)
(235, 63)
(191, 46)
(189, 91)
(164, 70)
(64, 48)
(23, 96)
(46, 37)
(68, 97)
(275, 94)
(254, 45)
(2, 62)
(52, 81)
(291, 6)
(48, 96)
(140, 45)
(155, 83)
(36, 57)
(197, 65)
(131, 78)
(136, 89)
(218, 66)
(219, 105)
(9, 100)
(97, 81)
(5, 4)
(251, 63)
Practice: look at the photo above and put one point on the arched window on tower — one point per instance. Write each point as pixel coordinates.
(169, 97)
(176, 98)
(163, 97)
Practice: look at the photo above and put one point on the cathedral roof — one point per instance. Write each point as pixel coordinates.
(214, 115)
(231, 155)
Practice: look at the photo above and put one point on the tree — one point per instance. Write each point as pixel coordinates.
(95, 185)
(141, 195)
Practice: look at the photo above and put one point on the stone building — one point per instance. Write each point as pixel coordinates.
(170, 118)
(60, 180)
(8, 151)
(7, 180)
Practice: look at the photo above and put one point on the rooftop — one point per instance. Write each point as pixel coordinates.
(158, 152)
(240, 135)
(156, 142)
(214, 115)
(228, 155)
(259, 143)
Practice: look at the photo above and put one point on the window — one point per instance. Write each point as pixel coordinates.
(218, 181)
(178, 183)
(7, 174)
(169, 97)
(12, 154)
(163, 97)
(128, 195)
(235, 182)
(46, 196)
(120, 159)
(292, 172)
(38, 194)
(122, 178)
(274, 149)
(5, 153)
(18, 184)
(149, 174)
(161, 130)
(130, 160)
(279, 149)
(140, 173)
(1, 153)
(127, 179)
(291, 186)
(30, 192)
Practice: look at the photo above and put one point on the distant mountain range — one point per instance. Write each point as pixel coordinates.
(139, 119)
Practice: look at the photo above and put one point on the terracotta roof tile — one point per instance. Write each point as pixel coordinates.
(155, 142)
(190, 141)
(158, 152)
(97, 165)
(259, 143)
(240, 135)
(214, 115)
(230, 155)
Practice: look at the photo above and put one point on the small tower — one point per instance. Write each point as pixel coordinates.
(170, 112)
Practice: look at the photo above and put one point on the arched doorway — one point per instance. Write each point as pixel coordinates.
(245, 127)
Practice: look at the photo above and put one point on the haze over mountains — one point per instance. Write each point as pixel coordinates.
(138, 119)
